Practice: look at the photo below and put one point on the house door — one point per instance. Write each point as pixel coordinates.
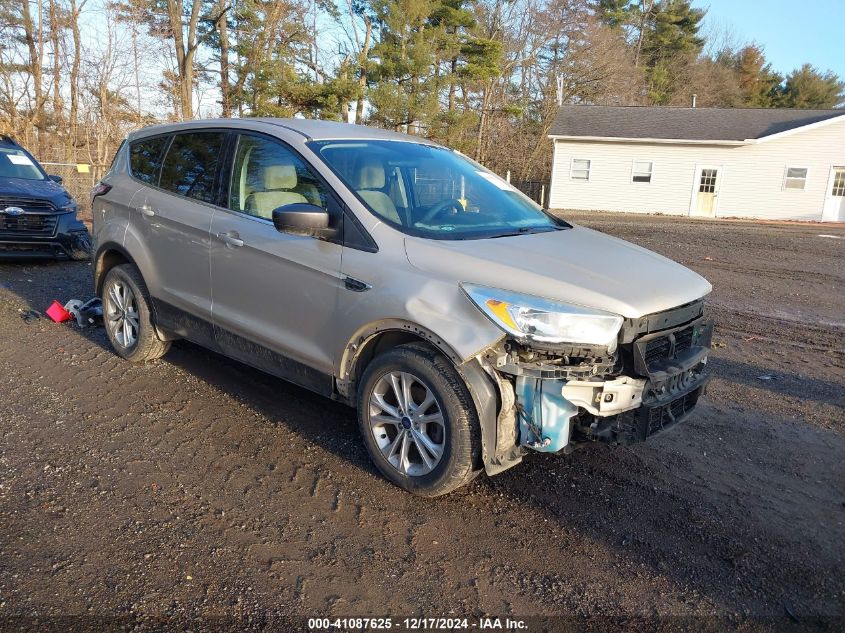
(705, 191)
(834, 203)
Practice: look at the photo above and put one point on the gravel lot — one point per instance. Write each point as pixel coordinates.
(194, 492)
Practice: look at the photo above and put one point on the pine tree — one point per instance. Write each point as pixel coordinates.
(670, 39)
(672, 31)
(806, 87)
(615, 13)
(404, 92)
(758, 82)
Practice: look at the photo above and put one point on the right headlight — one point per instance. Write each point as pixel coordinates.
(529, 318)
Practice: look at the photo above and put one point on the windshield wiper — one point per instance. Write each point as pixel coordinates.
(525, 230)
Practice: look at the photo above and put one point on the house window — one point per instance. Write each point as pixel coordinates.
(707, 184)
(642, 171)
(796, 178)
(838, 184)
(580, 169)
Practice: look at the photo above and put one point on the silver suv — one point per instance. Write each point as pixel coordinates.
(467, 326)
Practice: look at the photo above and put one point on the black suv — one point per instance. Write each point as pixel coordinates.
(37, 215)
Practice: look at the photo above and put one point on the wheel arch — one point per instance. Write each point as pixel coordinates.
(486, 392)
(109, 255)
(376, 338)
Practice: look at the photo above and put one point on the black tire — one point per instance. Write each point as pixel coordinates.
(147, 345)
(81, 249)
(461, 452)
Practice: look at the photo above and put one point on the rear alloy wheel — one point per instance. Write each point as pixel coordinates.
(127, 316)
(418, 420)
(121, 315)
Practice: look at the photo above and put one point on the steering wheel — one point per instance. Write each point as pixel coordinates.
(440, 207)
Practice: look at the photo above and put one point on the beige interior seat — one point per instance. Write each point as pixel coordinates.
(310, 191)
(369, 181)
(278, 183)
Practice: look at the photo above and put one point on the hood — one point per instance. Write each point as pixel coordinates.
(576, 265)
(41, 189)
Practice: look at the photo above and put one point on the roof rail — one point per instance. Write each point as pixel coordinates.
(8, 139)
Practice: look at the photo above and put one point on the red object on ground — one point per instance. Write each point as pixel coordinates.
(57, 312)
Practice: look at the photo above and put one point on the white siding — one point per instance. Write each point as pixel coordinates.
(751, 175)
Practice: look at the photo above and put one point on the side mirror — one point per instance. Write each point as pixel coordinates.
(302, 218)
(55, 178)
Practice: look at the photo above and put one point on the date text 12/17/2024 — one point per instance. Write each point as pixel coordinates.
(417, 624)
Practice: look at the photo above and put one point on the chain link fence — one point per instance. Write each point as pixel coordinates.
(537, 190)
(78, 179)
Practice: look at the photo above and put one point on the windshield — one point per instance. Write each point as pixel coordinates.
(432, 191)
(15, 163)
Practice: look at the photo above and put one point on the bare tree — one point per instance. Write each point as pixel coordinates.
(222, 25)
(75, 12)
(34, 37)
(646, 9)
(186, 42)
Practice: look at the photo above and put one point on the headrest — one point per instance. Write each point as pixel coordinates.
(279, 177)
(370, 176)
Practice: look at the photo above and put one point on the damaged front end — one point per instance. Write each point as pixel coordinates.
(647, 380)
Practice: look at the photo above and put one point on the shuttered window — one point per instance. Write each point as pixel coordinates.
(642, 171)
(795, 178)
(580, 169)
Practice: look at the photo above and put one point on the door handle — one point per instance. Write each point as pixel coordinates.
(356, 285)
(230, 239)
(147, 210)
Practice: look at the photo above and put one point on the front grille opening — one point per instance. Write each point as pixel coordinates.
(32, 205)
(28, 224)
(661, 417)
(683, 340)
(38, 218)
(657, 349)
(660, 348)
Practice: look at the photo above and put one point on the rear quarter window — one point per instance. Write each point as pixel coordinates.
(145, 158)
(191, 164)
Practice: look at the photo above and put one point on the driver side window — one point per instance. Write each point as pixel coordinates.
(267, 175)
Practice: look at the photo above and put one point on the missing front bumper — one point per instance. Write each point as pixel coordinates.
(556, 414)
(564, 401)
(640, 424)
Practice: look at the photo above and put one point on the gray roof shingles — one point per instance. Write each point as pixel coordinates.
(673, 123)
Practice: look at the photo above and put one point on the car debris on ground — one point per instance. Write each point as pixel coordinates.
(29, 316)
(85, 313)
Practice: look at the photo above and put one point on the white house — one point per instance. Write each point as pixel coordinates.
(710, 162)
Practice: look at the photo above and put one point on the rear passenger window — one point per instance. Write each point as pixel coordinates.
(145, 158)
(191, 163)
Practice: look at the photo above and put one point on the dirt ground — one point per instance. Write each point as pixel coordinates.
(195, 493)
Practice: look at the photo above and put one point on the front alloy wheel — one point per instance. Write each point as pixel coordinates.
(418, 420)
(406, 423)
